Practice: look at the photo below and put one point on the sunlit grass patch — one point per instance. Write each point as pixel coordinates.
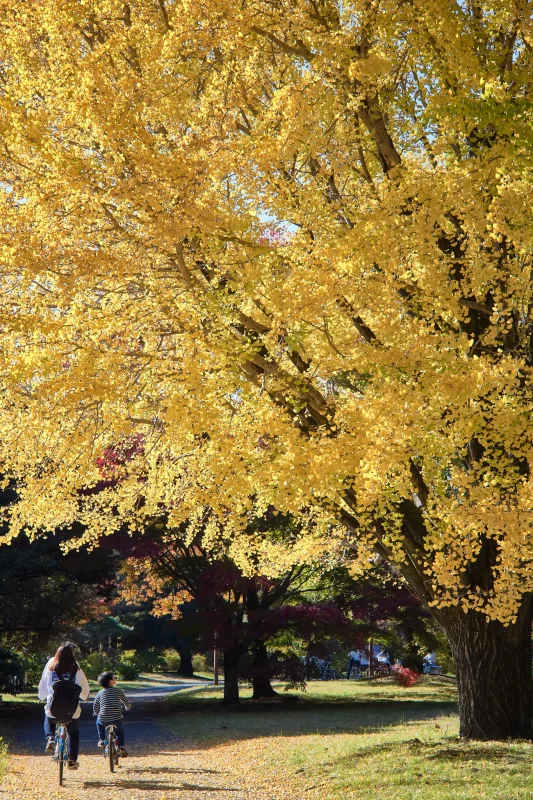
(22, 697)
(434, 689)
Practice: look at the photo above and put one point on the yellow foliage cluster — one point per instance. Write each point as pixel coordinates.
(287, 242)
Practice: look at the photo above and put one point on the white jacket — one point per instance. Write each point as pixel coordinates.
(45, 689)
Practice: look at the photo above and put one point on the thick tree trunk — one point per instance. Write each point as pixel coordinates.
(231, 675)
(493, 666)
(262, 688)
(186, 668)
(492, 661)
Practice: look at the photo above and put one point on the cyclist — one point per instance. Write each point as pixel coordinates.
(430, 662)
(61, 675)
(107, 709)
(384, 660)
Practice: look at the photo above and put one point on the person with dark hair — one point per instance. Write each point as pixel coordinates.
(107, 709)
(62, 685)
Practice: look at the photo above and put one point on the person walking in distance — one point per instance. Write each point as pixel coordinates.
(355, 661)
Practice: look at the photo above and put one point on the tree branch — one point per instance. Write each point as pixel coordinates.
(300, 51)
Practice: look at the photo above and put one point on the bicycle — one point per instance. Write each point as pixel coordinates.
(61, 747)
(328, 672)
(432, 669)
(112, 749)
(379, 671)
(355, 674)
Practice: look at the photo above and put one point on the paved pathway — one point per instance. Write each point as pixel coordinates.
(161, 765)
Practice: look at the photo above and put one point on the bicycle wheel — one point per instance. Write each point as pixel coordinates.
(61, 759)
(111, 750)
(355, 674)
(62, 747)
(117, 753)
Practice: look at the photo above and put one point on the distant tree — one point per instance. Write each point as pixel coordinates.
(388, 611)
(45, 594)
(238, 612)
(146, 631)
(104, 633)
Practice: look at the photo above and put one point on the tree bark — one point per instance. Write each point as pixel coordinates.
(231, 675)
(185, 668)
(262, 688)
(493, 667)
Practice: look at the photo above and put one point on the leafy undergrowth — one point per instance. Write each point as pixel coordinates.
(359, 740)
(3, 758)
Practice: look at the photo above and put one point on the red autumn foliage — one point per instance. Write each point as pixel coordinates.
(404, 677)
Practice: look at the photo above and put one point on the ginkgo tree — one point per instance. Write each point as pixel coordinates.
(286, 243)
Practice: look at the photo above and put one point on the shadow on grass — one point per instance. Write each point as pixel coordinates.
(459, 753)
(246, 722)
(480, 752)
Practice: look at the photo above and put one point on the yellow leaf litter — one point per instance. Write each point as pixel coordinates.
(183, 771)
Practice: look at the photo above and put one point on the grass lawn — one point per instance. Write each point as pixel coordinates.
(356, 740)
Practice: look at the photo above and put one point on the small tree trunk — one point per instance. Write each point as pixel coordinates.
(185, 668)
(262, 688)
(493, 666)
(231, 675)
(307, 665)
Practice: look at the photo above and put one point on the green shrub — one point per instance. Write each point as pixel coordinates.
(149, 660)
(97, 662)
(129, 666)
(171, 660)
(33, 665)
(10, 665)
(198, 662)
(127, 671)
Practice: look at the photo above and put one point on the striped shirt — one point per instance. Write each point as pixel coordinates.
(108, 704)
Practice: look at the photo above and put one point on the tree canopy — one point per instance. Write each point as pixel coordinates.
(285, 247)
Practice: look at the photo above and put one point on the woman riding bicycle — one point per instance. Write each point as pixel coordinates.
(63, 668)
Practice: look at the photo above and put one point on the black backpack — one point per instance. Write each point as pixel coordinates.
(65, 696)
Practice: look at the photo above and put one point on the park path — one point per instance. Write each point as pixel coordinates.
(161, 765)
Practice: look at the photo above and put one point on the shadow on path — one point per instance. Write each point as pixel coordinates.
(153, 786)
(25, 734)
(178, 771)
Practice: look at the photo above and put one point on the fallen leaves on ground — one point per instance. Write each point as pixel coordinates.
(187, 773)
